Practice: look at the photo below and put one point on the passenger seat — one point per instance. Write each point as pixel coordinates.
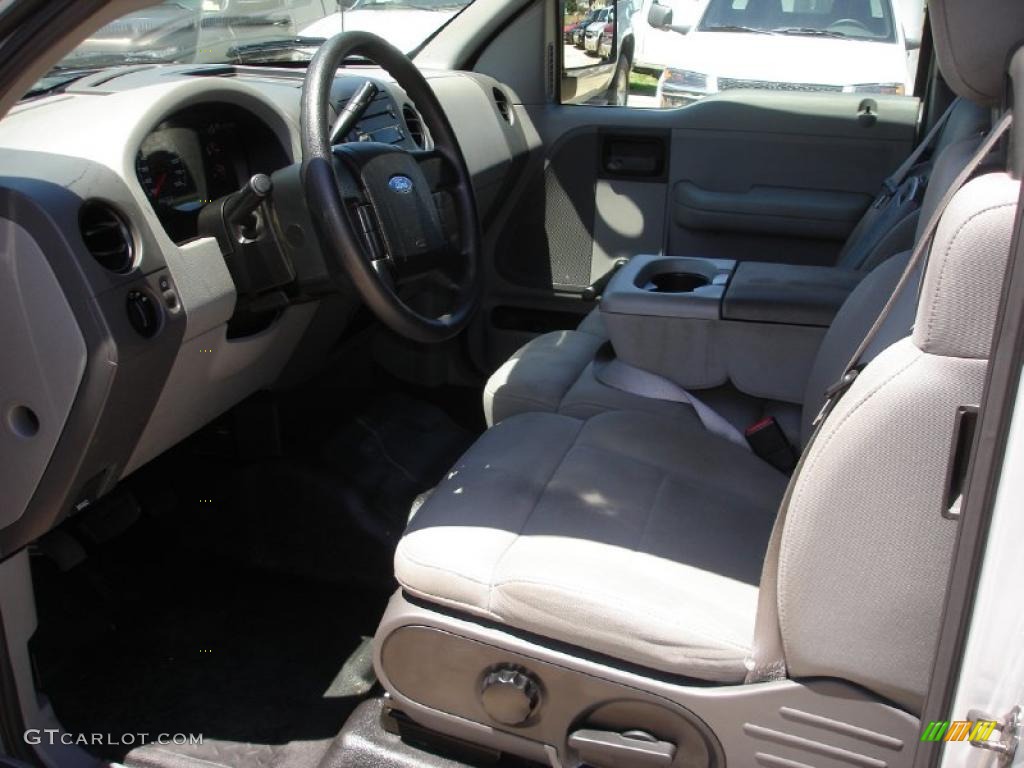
(554, 373)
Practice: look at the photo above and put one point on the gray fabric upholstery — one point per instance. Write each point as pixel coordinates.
(947, 167)
(641, 537)
(625, 534)
(961, 292)
(554, 374)
(865, 552)
(891, 234)
(973, 41)
(539, 374)
(766, 360)
(593, 323)
(635, 536)
(849, 328)
(588, 397)
(864, 304)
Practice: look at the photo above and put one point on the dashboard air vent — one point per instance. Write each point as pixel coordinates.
(106, 236)
(501, 100)
(414, 125)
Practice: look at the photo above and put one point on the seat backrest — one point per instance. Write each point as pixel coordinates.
(888, 226)
(860, 309)
(865, 551)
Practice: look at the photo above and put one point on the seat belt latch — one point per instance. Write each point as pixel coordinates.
(889, 190)
(768, 442)
(833, 393)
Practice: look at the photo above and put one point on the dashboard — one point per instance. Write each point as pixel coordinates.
(127, 346)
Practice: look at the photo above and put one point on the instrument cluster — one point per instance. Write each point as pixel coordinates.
(200, 155)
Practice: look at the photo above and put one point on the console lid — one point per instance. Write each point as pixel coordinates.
(761, 292)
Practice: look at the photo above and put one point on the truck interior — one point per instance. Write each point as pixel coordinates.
(393, 411)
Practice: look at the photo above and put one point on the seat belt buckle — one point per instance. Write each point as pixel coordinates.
(769, 443)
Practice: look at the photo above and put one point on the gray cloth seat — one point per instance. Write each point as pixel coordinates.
(643, 538)
(625, 524)
(622, 498)
(553, 372)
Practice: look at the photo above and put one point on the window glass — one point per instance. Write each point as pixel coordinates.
(680, 51)
(254, 31)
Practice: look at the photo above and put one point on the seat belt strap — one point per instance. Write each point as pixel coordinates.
(767, 660)
(616, 374)
(892, 184)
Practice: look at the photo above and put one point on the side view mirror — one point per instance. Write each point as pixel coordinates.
(912, 39)
(660, 17)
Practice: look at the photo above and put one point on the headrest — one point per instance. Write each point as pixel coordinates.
(973, 41)
(956, 313)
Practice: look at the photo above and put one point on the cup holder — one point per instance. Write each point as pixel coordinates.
(676, 282)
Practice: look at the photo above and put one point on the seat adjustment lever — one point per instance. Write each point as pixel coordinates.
(631, 749)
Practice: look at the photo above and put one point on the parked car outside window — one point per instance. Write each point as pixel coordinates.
(569, 30)
(841, 46)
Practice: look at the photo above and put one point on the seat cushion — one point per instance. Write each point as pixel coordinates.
(623, 534)
(554, 373)
(539, 374)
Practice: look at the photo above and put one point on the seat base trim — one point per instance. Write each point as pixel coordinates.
(431, 663)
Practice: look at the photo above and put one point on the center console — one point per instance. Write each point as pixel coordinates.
(705, 322)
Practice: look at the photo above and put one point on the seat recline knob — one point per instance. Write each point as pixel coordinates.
(509, 695)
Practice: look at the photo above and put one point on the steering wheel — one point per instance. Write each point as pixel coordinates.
(849, 22)
(378, 209)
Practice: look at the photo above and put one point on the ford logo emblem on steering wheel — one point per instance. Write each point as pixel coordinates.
(400, 184)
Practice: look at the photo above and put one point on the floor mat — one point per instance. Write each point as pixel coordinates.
(333, 507)
(240, 606)
(244, 658)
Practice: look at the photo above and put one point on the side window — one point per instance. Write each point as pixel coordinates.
(671, 53)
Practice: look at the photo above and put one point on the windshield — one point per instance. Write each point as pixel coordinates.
(252, 31)
(852, 19)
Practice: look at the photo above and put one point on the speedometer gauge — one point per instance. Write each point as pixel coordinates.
(164, 176)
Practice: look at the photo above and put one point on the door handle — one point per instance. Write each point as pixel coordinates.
(634, 157)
